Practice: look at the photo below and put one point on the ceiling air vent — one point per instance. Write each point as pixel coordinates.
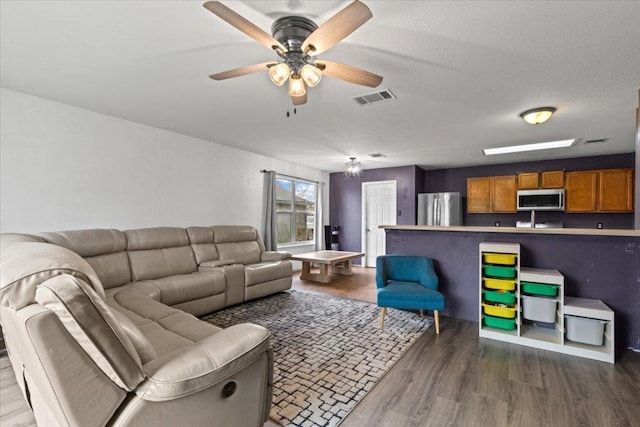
(377, 155)
(596, 141)
(375, 97)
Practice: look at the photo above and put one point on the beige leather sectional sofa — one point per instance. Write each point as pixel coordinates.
(101, 330)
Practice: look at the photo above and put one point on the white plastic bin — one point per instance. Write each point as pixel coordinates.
(539, 309)
(585, 330)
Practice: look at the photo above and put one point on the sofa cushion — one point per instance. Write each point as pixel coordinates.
(166, 328)
(240, 252)
(86, 317)
(159, 252)
(266, 272)
(87, 243)
(204, 363)
(202, 244)
(240, 243)
(156, 238)
(26, 265)
(104, 250)
(234, 233)
(159, 263)
(186, 287)
(19, 237)
(140, 342)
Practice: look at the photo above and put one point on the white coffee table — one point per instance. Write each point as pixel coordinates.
(340, 262)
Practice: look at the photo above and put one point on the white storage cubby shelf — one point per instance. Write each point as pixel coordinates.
(548, 335)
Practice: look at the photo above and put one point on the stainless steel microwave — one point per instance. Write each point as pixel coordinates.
(541, 200)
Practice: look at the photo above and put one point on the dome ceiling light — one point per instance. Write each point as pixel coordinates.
(537, 115)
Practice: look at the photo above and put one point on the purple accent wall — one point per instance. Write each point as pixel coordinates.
(600, 267)
(345, 200)
(456, 180)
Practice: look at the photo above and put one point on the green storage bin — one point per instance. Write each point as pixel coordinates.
(503, 297)
(539, 289)
(499, 271)
(499, 322)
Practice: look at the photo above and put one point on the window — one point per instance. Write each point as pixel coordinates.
(295, 211)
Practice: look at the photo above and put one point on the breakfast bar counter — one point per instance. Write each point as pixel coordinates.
(526, 230)
(601, 264)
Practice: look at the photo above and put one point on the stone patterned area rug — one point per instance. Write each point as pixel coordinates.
(329, 352)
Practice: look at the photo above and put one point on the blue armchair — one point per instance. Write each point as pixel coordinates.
(410, 283)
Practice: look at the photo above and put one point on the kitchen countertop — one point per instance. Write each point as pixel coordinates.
(512, 230)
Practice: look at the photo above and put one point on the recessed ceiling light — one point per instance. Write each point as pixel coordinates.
(538, 115)
(529, 147)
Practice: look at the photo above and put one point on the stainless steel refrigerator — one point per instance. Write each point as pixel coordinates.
(442, 209)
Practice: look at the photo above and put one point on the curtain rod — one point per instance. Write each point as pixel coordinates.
(291, 176)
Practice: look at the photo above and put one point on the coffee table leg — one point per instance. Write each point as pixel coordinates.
(306, 270)
(343, 268)
(324, 273)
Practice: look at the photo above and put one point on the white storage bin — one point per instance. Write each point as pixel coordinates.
(584, 330)
(539, 309)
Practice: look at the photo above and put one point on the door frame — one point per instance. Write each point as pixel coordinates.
(363, 219)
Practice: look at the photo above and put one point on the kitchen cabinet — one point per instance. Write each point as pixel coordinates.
(478, 195)
(503, 193)
(491, 194)
(528, 181)
(553, 179)
(605, 190)
(615, 190)
(581, 191)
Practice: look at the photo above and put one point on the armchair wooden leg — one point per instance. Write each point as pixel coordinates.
(436, 315)
(382, 314)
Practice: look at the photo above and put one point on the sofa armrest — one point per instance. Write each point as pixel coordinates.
(217, 263)
(267, 256)
(204, 364)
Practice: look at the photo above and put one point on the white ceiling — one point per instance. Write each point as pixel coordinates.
(462, 72)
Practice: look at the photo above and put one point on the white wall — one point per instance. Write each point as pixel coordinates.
(66, 168)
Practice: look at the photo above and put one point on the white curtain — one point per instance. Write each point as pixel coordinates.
(319, 219)
(270, 226)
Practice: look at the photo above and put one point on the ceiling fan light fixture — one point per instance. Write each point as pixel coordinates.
(279, 73)
(311, 75)
(537, 115)
(296, 86)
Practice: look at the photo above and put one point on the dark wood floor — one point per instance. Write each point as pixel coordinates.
(459, 379)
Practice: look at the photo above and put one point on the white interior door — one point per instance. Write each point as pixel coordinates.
(378, 208)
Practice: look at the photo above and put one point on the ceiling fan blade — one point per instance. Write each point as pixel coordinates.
(244, 25)
(237, 72)
(299, 100)
(337, 28)
(349, 73)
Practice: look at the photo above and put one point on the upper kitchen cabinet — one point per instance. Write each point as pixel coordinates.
(615, 190)
(553, 179)
(607, 190)
(581, 191)
(478, 195)
(528, 181)
(491, 194)
(503, 193)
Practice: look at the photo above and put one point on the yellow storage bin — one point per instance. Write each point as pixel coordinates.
(507, 285)
(495, 310)
(501, 259)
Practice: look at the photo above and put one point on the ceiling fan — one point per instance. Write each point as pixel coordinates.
(297, 40)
